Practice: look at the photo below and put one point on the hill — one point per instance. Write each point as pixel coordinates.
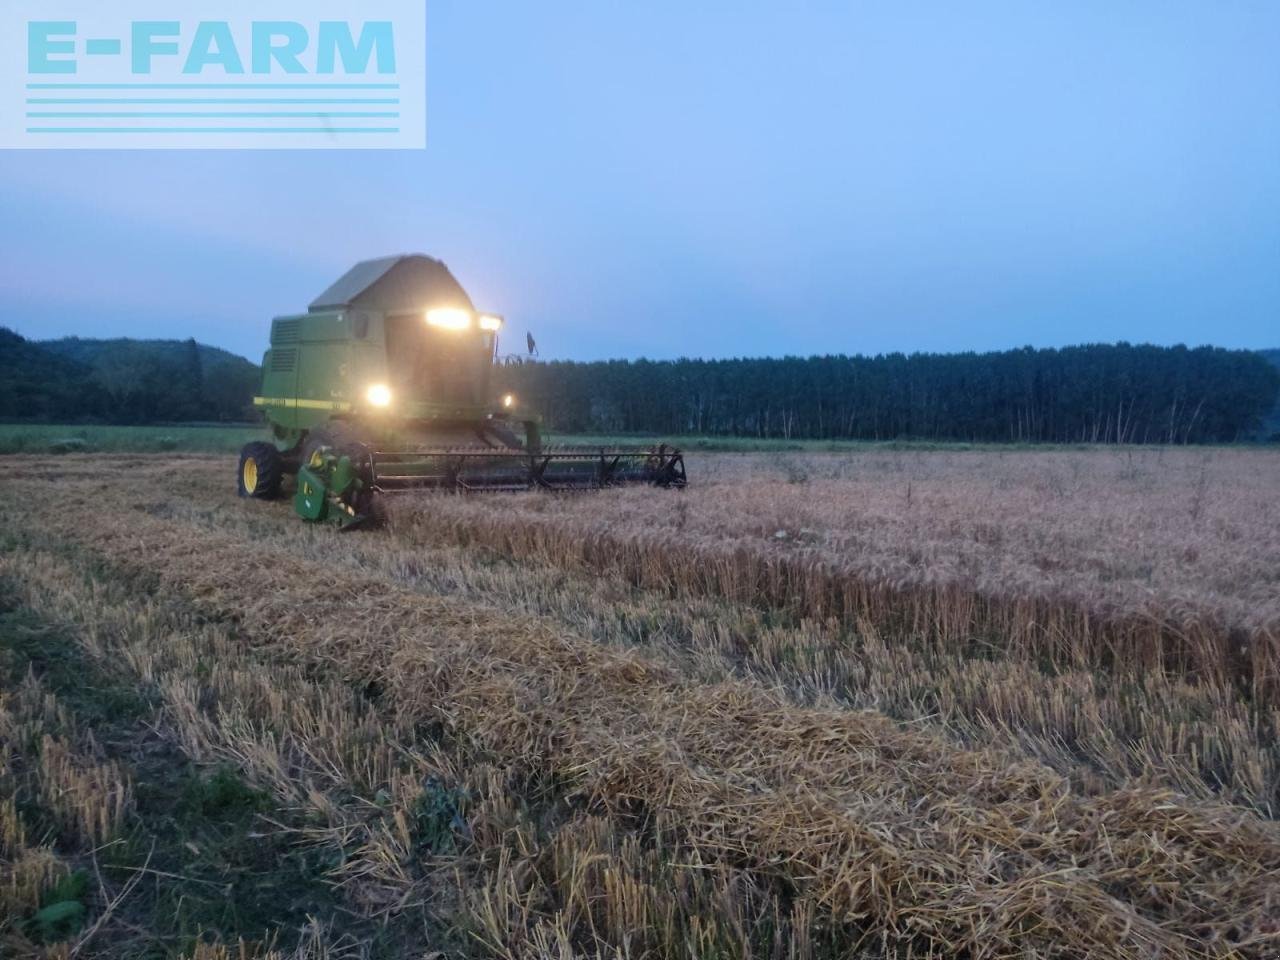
(166, 379)
(123, 380)
(38, 384)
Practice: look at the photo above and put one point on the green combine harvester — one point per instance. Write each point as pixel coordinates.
(384, 385)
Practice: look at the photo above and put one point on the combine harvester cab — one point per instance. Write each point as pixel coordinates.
(385, 385)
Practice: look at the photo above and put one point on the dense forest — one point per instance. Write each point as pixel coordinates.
(1118, 393)
(1095, 394)
(1271, 424)
(122, 381)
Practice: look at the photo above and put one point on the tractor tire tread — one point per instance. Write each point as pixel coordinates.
(270, 471)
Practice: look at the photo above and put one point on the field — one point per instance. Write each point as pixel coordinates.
(193, 438)
(96, 438)
(870, 703)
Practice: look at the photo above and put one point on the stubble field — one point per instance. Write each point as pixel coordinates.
(913, 703)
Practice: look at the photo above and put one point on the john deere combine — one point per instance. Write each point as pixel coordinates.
(384, 385)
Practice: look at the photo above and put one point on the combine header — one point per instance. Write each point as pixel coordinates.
(384, 385)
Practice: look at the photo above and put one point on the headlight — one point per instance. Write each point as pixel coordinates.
(490, 321)
(450, 318)
(378, 395)
(509, 400)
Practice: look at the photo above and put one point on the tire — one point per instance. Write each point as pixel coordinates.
(344, 439)
(261, 468)
(348, 440)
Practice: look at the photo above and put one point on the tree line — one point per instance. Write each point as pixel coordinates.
(1096, 393)
(123, 381)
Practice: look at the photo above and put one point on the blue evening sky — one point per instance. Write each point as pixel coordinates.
(729, 178)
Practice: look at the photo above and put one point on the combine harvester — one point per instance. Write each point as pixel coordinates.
(384, 385)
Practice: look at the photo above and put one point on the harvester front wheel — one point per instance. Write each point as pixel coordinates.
(347, 440)
(260, 471)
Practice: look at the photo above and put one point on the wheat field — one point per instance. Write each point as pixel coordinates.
(870, 704)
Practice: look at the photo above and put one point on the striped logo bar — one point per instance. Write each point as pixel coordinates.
(235, 74)
(299, 403)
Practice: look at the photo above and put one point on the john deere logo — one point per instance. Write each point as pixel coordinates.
(298, 73)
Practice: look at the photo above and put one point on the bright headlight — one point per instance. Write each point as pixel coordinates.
(490, 321)
(378, 395)
(509, 400)
(450, 318)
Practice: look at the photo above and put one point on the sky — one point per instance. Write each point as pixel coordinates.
(721, 179)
